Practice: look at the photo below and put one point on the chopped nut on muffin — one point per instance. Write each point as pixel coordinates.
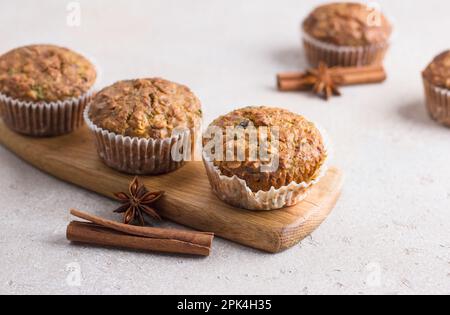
(301, 148)
(45, 73)
(145, 108)
(348, 24)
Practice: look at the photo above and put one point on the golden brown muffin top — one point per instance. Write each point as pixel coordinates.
(45, 73)
(438, 71)
(348, 24)
(145, 108)
(301, 148)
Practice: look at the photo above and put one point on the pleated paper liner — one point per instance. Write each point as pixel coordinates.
(44, 119)
(438, 103)
(141, 156)
(342, 56)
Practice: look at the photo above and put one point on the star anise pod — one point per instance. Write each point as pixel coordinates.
(321, 81)
(137, 202)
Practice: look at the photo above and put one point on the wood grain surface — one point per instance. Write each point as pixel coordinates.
(189, 200)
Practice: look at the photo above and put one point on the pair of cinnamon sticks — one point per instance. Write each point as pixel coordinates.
(99, 231)
(341, 76)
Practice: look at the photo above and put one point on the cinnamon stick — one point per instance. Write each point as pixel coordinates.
(340, 75)
(287, 82)
(99, 231)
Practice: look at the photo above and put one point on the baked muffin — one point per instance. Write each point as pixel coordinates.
(436, 78)
(139, 122)
(297, 153)
(44, 89)
(346, 34)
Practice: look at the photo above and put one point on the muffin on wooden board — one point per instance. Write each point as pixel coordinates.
(140, 123)
(346, 34)
(436, 78)
(44, 89)
(301, 152)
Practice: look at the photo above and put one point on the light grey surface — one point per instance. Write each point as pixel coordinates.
(390, 232)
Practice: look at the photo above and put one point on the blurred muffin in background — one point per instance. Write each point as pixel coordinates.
(346, 34)
(436, 79)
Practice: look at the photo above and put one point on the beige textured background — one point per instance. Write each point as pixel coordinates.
(390, 232)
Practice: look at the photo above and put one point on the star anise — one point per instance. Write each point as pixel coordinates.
(137, 202)
(321, 81)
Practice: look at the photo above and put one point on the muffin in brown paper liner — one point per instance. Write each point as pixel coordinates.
(346, 34)
(44, 89)
(241, 190)
(338, 56)
(436, 79)
(145, 126)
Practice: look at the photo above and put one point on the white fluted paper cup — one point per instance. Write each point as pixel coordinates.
(143, 156)
(438, 102)
(236, 192)
(44, 119)
(342, 56)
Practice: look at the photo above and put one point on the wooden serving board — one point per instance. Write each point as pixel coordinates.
(189, 200)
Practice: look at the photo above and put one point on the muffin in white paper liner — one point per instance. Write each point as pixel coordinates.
(438, 102)
(342, 56)
(141, 156)
(235, 191)
(44, 119)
